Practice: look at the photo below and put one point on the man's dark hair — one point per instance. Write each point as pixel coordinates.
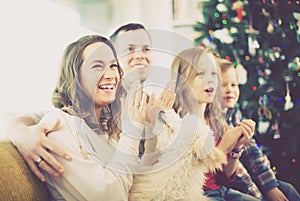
(127, 27)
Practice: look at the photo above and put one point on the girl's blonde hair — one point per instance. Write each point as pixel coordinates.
(184, 69)
(70, 96)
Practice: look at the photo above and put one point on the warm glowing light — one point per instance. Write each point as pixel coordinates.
(224, 22)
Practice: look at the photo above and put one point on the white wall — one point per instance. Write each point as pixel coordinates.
(33, 36)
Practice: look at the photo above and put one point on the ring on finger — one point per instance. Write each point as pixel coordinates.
(39, 160)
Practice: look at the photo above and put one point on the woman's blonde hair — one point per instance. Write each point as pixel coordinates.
(70, 96)
(184, 69)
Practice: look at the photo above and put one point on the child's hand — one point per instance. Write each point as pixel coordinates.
(248, 127)
(275, 195)
(230, 138)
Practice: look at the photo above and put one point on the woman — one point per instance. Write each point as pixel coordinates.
(85, 95)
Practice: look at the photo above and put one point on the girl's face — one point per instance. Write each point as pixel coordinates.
(99, 74)
(205, 83)
(231, 88)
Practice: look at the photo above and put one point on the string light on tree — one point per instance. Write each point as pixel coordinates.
(288, 77)
(276, 132)
(253, 44)
(264, 115)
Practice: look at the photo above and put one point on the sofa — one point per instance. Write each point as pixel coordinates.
(17, 182)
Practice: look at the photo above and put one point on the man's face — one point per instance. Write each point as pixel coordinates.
(133, 49)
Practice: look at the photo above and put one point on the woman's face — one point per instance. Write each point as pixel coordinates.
(204, 84)
(99, 74)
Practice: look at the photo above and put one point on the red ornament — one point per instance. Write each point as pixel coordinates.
(260, 59)
(238, 6)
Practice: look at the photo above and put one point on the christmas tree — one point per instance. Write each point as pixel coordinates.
(262, 39)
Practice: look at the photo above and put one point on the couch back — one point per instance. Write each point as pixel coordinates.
(17, 182)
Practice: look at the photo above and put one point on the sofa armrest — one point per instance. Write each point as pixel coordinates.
(17, 182)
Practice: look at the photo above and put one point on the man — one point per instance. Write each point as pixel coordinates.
(133, 43)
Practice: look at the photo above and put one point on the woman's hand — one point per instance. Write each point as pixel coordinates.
(137, 106)
(133, 112)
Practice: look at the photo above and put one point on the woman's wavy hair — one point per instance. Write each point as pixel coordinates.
(184, 69)
(70, 96)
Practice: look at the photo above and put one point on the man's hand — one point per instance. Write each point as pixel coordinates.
(275, 195)
(34, 146)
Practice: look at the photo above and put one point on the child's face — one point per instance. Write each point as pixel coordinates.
(231, 87)
(205, 83)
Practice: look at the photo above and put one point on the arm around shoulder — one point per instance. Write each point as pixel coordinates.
(91, 174)
(19, 124)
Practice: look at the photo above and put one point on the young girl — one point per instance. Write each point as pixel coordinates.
(186, 139)
(231, 141)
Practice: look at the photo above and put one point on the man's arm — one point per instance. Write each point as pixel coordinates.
(32, 143)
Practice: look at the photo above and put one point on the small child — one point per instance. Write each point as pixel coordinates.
(254, 175)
